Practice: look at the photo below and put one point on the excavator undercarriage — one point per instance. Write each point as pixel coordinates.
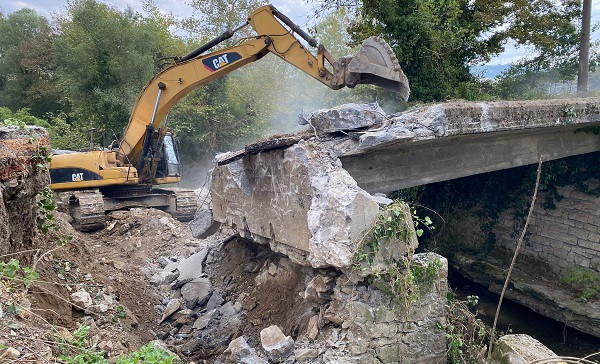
(88, 207)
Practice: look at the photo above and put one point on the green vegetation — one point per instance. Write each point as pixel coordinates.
(77, 350)
(466, 335)
(586, 281)
(437, 41)
(11, 272)
(399, 276)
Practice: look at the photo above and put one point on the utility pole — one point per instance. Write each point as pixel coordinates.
(584, 48)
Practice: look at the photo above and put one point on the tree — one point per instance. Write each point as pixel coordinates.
(105, 57)
(222, 114)
(212, 17)
(26, 63)
(436, 41)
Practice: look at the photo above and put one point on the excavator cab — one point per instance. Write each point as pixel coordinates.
(168, 166)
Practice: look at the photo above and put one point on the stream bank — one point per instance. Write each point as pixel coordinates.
(516, 318)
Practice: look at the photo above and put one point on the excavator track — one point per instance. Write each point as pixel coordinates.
(186, 202)
(86, 207)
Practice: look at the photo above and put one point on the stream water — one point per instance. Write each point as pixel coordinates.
(517, 319)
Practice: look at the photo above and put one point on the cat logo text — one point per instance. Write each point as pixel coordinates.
(220, 60)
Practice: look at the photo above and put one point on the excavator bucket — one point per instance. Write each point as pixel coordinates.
(376, 64)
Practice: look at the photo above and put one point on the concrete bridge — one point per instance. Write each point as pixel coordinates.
(459, 139)
(309, 195)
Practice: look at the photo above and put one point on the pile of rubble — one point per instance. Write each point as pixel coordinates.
(237, 301)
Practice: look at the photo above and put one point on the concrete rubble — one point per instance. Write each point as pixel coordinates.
(264, 307)
(242, 353)
(349, 117)
(277, 346)
(282, 283)
(521, 349)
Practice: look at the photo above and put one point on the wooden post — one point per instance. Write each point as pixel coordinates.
(584, 48)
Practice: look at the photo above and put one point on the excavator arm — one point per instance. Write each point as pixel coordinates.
(375, 63)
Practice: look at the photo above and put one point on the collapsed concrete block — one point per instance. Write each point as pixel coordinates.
(347, 117)
(299, 200)
(520, 349)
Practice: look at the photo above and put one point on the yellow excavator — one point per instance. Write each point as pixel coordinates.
(90, 183)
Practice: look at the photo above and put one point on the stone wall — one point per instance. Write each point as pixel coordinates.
(380, 330)
(563, 237)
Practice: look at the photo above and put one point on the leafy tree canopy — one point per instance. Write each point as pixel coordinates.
(26, 64)
(105, 57)
(437, 40)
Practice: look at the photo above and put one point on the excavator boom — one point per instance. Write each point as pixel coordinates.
(374, 64)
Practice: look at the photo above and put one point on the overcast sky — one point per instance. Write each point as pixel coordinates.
(297, 10)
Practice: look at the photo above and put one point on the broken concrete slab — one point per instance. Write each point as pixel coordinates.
(521, 348)
(192, 266)
(299, 200)
(347, 117)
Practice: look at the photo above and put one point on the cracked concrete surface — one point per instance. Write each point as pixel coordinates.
(312, 202)
(299, 200)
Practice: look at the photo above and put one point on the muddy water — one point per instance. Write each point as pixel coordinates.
(517, 319)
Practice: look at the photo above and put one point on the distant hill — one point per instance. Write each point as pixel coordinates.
(489, 71)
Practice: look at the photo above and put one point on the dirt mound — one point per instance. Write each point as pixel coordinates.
(98, 280)
(268, 301)
(22, 176)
